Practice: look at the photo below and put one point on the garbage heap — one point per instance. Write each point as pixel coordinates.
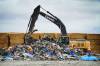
(44, 50)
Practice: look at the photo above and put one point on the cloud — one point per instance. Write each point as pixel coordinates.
(77, 15)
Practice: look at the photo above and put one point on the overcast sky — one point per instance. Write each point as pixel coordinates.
(79, 16)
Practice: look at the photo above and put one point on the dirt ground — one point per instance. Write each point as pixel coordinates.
(50, 63)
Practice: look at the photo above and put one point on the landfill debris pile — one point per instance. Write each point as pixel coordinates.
(44, 50)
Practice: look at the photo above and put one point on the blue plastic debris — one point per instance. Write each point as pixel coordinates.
(88, 58)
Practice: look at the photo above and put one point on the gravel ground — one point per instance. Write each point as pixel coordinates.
(50, 63)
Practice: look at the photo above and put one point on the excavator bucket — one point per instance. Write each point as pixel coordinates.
(31, 25)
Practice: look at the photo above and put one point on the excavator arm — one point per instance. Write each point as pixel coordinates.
(33, 19)
(50, 17)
